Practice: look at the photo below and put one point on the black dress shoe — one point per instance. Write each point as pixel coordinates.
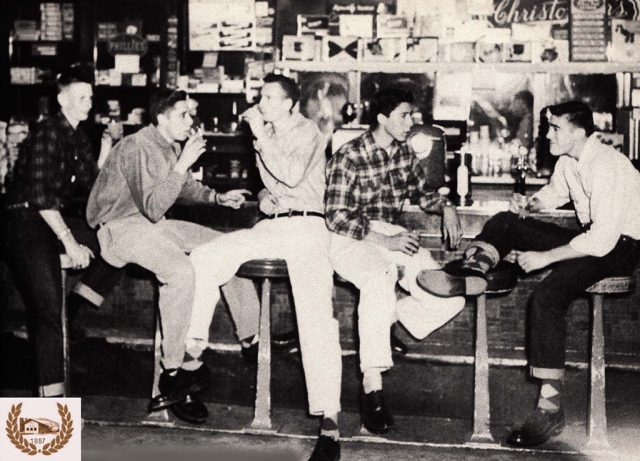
(327, 449)
(453, 280)
(191, 410)
(376, 416)
(286, 341)
(397, 346)
(174, 389)
(539, 427)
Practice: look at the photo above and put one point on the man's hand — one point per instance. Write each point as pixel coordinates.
(523, 205)
(268, 202)
(534, 260)
(80, 255)
(451, 228)
(192, 151)
(406, 242)
(234, 198)
(255, 119)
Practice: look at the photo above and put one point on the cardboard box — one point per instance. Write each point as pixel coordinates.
(625, 40)
(341, 49)
(388, 25)
(518, 52)
(422, 49)
(313, 24)
(356, 25)
(384, 49)
(299, 47)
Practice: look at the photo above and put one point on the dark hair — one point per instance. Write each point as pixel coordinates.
(577, 113)
(163, 101)
(526, 97)
(76, 73)
(386, 101)
(288, 85)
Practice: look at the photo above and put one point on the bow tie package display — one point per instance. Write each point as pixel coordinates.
(341, 49)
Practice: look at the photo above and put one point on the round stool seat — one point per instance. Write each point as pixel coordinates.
(264, 268)
(502, 278)
(613, 285)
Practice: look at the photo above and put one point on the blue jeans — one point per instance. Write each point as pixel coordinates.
(568, 280)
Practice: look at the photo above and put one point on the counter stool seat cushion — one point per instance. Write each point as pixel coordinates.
(612, 285)
(264, 268)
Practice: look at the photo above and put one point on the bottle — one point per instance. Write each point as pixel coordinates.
(463, 179)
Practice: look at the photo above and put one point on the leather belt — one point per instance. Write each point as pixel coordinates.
(291, 213)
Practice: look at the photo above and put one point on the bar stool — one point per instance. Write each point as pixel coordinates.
(161, 416)
(500, 280)
(265, 270)
(597, 426)
(65, 264)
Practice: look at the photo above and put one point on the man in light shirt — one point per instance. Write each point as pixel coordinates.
(604, 188)
(291, 159)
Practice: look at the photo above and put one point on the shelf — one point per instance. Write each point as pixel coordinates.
(424, 67)
(507, 179)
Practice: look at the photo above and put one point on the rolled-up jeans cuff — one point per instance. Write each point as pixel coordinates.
(489, 249)
(547, 373)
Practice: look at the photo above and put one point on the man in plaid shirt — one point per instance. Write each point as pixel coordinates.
(368, 180)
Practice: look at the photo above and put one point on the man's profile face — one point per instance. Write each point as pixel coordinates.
(274, 103)
(561, 135)
(399, 122)
(176, 121)
(76, 100)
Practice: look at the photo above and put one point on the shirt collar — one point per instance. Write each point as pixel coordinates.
(68, 130)
(589, 150)
(285, 124)
(154, 134)
(371, 145)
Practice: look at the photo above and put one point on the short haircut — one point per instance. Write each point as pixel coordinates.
(577, 113)
(77, 73)
(288, 85)
(163, 101)
(386, 101)
(526, 97)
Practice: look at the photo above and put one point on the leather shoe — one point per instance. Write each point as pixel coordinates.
(539, 427)
(174, 389)
(191, 410)
(453, 280)
(286, 341)
(397, 346)
(376, 416)
(327, 449)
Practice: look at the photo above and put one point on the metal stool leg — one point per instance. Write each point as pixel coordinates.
(65, 337)
(161, 416)
(597, 406)
(481, 408)
(262, 415)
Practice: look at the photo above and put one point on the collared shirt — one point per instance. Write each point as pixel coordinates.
(53, 160)
(138, 179)
(292, 162)
(366, 183)
(605, 190)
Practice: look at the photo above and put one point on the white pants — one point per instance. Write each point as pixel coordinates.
(374, 270)
(303, 242)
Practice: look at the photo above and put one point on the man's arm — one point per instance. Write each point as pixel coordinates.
(342, 214)
(534, 260)
(556, 193)
(80, 255)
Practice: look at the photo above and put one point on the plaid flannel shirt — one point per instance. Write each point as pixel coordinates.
(53, 160)
(366, 183)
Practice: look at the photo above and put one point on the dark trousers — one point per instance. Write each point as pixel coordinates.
(35, 251)
(568, 279)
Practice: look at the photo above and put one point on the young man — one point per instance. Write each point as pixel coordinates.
(602, 183)
(291, 159)
(146, 173)
(55, 161)
(369, 179)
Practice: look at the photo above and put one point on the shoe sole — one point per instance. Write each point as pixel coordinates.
(439, 283)
(194, 388)
(555, 431)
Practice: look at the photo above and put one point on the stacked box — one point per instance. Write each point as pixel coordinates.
(50, 21)
(68, 21)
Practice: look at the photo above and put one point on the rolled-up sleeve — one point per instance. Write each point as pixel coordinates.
(556, 193)
(607, 209)
(342, 213)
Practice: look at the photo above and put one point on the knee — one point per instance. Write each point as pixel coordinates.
(180, 272)
(502, 219)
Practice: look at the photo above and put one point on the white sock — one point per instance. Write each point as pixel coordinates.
(372, 380)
